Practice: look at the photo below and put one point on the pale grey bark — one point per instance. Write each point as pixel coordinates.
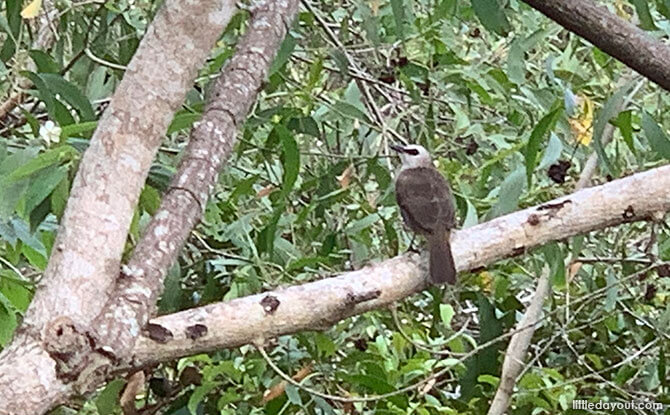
(84, 264)
(319, 304)
(613, 35)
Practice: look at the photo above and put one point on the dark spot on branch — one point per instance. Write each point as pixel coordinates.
(353, 299)
(554, 206)
(270, 304)
(519, 250)
(69, 346)
(629, 213)
(158, 333)
(533, 219)
(196, 331)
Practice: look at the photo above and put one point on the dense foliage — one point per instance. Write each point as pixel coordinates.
(510, 104)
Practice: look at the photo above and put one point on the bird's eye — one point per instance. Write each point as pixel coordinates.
(412, 152)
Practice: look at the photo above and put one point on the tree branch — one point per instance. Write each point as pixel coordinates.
(210, 145)
(613, 35)
(518, 347)
(85, 259)
(319, 304)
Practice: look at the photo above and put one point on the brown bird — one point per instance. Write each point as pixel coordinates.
(427, 207)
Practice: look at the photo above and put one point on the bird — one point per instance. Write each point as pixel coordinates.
(427, 208)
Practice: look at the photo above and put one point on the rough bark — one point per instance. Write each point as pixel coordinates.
(85, 260)
(317, 305)
(210, 145)
(613, 35)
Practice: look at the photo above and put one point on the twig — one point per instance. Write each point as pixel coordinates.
(518, 346)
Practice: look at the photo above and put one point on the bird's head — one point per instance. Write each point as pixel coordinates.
(413, 155)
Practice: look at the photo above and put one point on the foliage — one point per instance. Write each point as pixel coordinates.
(496, 93)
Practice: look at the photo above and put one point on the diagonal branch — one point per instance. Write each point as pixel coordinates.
(613, 35)
(210, 144)
(84, 263)
(317, 305)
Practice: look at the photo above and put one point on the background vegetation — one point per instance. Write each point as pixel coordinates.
(508, 103)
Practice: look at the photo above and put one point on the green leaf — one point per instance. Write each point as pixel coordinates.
(183, 121)
(283, 54)
(612, 292)
(349, 110)
(150, 199)
(266, 237)
(290, 159)
(603, 117)
(70, 130)
(484, 96)
(12, 27)
(491, 15)
(46, 159)
(536, 136)
(108, 400)
(172, 293)
(662, 369)
(44, 62)
(663, 7)
(11, 190)
(45, 93)
(446, 314)
(358, 225)
(642, 9)
(341, 62)
(446, 8)
(658, 141)
(41, 187)
(199, 394)
(293, 395)
(71, 94)
(553, 151)
(8, 322)
(516, 64)
(509, 194)
(471, 217)
(324, 345)
(399, 15)
(29, 239)
(59, 197)
(305, 125)
(625, 123)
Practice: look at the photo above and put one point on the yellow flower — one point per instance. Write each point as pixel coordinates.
(32, 9)
(582, 123)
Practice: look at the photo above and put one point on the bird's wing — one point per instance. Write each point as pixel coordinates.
(425, 199)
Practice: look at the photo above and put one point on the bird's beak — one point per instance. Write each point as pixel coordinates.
(397, 148)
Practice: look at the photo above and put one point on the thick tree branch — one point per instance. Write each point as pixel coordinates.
(613, 35)
(319, 304)
(210, 144)
(85, 259)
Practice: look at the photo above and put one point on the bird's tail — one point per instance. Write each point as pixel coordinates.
(442, 267)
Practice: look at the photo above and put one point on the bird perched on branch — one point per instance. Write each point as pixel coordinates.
(427, 207)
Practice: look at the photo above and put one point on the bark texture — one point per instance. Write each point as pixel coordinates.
(613, 35)
(84, 263)
(210, 145)
(317, 305)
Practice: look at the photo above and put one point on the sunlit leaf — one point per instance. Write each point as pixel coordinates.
(32, 10)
